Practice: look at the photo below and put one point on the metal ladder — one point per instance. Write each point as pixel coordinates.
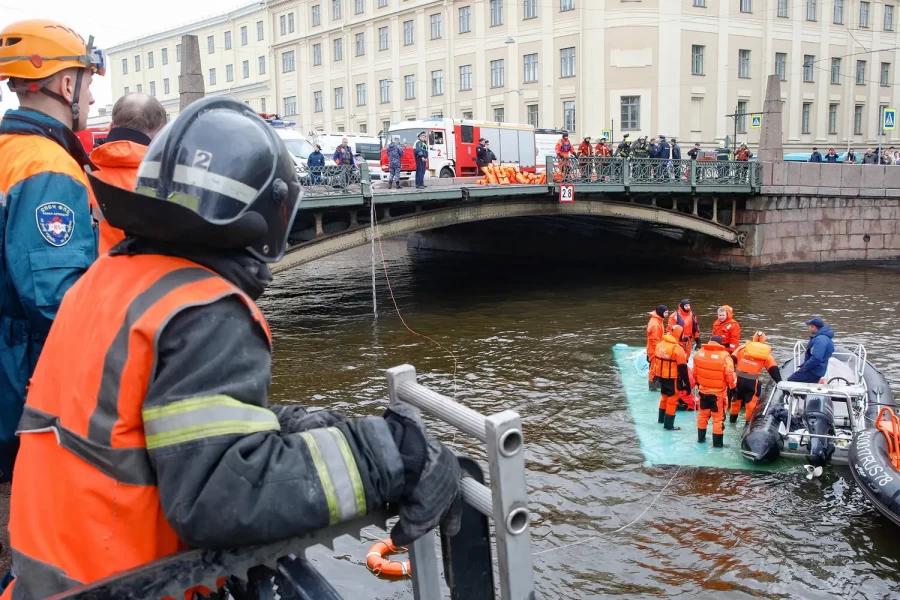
(467, 557)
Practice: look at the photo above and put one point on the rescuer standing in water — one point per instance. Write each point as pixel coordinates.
(715, 376)
(669, 366)
(656, 329)
(750, 360)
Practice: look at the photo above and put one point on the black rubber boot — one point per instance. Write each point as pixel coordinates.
(662, 415)
(718, 440)
(701, 435)
(670, 423)
(734, 418)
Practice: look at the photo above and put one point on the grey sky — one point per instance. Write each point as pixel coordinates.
(111, 23)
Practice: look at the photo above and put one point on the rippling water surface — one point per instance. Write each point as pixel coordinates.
(537, 338)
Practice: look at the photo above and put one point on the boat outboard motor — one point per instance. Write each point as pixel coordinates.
(763, 443)
(819, 418)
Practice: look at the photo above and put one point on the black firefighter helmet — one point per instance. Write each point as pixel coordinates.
(218, 176)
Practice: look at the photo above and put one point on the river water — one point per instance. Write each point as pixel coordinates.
(537, 337)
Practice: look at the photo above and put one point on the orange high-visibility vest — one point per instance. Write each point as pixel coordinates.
(752, 358)
(85, 502)
(668, 355)
(714, 369)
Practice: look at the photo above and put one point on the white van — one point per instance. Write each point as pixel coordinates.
(365, 147)
(297, 144)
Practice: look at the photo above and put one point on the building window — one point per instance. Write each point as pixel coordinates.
(339, 49)
(360, 94)
(408, 37)
(437, 83)
(533, 117)
(497, 73)
(569, 115)
(229, 73)
(700, 3)
(166, 86)
(290, 22)
(124, 66)
(746, 6)
(888, 17)
(567, 62)
(228, 40)
(697, 60)
(212, 77)
(631, 112)
(336, 9)
(465, 19)
(741, 118)
(153, 88)
(467, 114)
(530, 11)
(804, 119)
(339, 97)
(385, 127)
(126, 88)
(810, 10)
(262, 65)
(860, 72)
(363, 128)
(465, 78)
(565, 5)
(808, 67)
(244, 35)
(781, 65)
(437, 25)
(858, 119)
(290, 105)
(744, 64)
(496, 13)
(317, 102)
(164, 56)
(149, 60)
(382, 38)
(316, 16)
(531, 68)
(287, 62)
(177, 52)
(836, 71)
(782, 10)
(885, 74)
(282, 24)
(360, 6)
(863, 14)
(384, 90)
(210, 44)
(140, 89)
(245, 69)
(259, 31)
(361, 44)
(832, 118)
(317, 54)
(409, 84)
(838, 12)
(262, 104)
(137, 63)
(499, 114)
(382, 3)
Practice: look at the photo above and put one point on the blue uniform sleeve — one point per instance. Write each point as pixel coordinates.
(50, 242)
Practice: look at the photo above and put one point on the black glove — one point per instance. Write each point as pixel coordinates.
(294, 419)
(431, 494)
(697, 344)
(683, 382)
(648, 360)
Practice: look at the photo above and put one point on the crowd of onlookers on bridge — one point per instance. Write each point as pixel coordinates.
(888, 156)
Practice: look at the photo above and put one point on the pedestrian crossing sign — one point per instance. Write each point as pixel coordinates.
(756, 121)
(889, 119)
(607, 134)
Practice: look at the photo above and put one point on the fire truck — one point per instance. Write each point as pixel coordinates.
(452, 144)
(92, 137)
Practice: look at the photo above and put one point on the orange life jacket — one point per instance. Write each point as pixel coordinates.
(666, 358)
(85, 502)
(714, 369)
(688, 322)
(752, 358)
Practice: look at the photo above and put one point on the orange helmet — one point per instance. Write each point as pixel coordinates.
(760, 337)
(38, 49)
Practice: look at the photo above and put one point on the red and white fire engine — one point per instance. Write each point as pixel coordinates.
(92, 137)
(452, 144)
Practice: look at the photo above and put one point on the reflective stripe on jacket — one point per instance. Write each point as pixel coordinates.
(714, 369)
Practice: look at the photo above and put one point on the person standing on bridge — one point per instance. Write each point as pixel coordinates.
(585, 151)
(714, 371)
(420, 152)
(687, 320)
(395, 156)
(165, 438)
(669, 367)
(816, 156)
(656, 329)
(624, 148)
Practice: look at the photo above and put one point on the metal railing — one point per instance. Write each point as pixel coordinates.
(332, 180)
(651, 173)
(505, 501)
(594, 169)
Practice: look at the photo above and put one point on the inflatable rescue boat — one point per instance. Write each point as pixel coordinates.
(817, 422)
(875, 463)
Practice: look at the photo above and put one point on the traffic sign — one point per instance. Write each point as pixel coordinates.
(755, 121)
(607, 134)
(889, 119)
(567, 192)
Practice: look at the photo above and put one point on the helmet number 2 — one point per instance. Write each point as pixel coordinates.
(202, 159)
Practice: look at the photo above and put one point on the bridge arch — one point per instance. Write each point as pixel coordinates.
(422, 220)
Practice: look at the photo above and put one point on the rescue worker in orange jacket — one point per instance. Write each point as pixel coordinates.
(685, 317)
(136, 119)
(602, 149)
(669, 366)
(750, 360)
(585, 149)
(564, 147)
(714, 371)
(727, 328)
(47, 236)
(656, 329)
(147, 427)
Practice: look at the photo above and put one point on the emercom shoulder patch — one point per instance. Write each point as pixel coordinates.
(56, 222)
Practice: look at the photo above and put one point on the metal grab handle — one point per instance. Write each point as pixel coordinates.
(462, 417)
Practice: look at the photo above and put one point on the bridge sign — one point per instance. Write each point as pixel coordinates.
(755, 121)
(889, 119)
(567, 192)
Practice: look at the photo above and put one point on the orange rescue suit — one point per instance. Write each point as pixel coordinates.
(563, 148)
(715, 375)
(750, 361)
(656, 329)
(688, 322)
(83, 447)
(585, 149)
(118, 162)
(602, 150)
(729, 330)
(666, 358)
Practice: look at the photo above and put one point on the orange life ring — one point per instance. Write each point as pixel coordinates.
(378, 564)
